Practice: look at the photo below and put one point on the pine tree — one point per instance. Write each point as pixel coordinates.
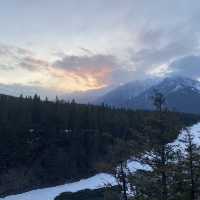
(123, 181)
(160, 154)
(191, 165)
(121, 153)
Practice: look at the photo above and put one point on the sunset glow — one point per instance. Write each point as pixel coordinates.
(66, 46)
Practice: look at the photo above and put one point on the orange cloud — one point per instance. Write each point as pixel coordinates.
(83, 72)
(70, 73)
(83, 80)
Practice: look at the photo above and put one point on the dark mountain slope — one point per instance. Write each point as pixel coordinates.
(124, 93)
(182, 95)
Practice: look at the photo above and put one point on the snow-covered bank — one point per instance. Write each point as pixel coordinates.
(195, 131)
(133, 166)
(94, 182)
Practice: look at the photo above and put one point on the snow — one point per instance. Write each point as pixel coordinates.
(31, 130)
(183, 82)
(178, 87)
(133, 166)
(94, 182)
(97, 181)
(195, 130)
(177, 83)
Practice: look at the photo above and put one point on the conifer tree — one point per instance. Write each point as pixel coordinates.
(160, 154)
(191, 165)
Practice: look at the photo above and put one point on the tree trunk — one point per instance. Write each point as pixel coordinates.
(123, 182)
(192, 191)
(163, 175)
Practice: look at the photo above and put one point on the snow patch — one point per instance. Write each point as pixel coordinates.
(195, 130)
(133, 166)
(97, 181)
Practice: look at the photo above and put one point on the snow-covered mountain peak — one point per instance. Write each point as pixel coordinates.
(183, 81)
(127, 92)
(182, 94)
(175, 83)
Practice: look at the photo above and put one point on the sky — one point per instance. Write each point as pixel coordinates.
(68, 46)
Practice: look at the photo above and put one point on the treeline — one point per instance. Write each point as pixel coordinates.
(45, 143)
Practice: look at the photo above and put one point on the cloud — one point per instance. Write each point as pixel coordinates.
(33, 64)
(96, 67)
(76, 63)
(12, 57)
(159, 48)
(187, 66)
(103, 50)
(87, 71)
(6, 67)
(13, 51)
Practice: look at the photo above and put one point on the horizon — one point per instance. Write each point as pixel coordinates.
(89, 96)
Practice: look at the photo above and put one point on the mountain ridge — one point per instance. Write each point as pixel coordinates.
(182, 95)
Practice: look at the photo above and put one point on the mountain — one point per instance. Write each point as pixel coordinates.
(85, 96)
(182, 94)
(119, 96)
(18, 89)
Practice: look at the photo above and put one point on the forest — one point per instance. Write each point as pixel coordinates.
(44, 143)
